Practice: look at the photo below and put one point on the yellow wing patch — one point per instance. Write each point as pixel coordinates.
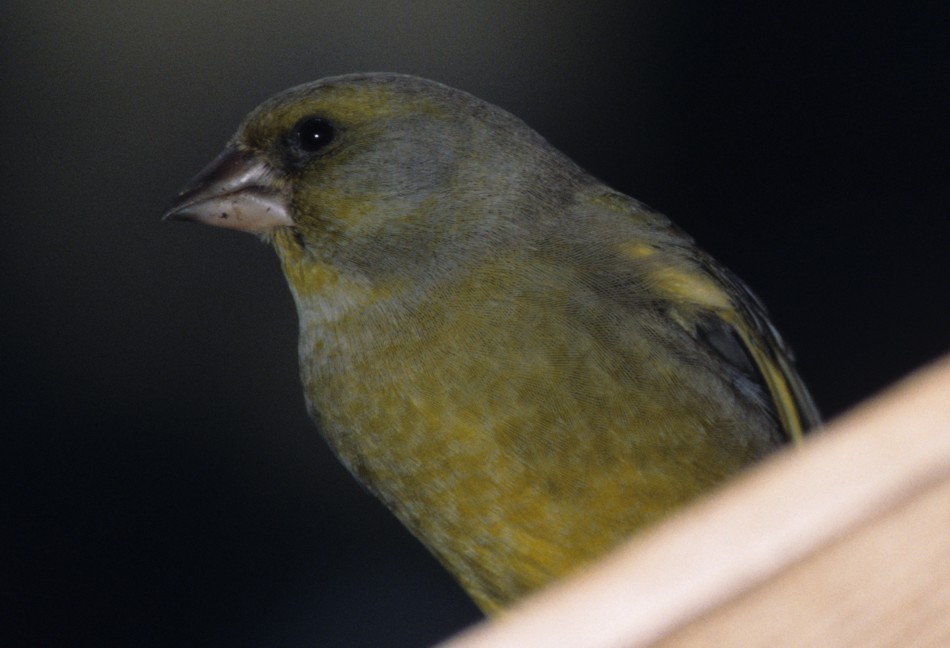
(684, 287)
(775, 375)
(637, 250)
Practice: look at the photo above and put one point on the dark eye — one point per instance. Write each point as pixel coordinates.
(312, 134)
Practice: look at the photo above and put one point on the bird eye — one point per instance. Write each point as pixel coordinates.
(312, 134)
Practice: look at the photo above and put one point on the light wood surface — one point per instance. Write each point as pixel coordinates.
(844, 542)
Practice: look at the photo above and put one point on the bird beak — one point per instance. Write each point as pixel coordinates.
(238, 191)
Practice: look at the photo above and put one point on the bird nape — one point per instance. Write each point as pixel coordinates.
(523, 364)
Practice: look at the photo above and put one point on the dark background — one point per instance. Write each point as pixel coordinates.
(164, 485)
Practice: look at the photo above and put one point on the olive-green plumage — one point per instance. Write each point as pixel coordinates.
(525, 365)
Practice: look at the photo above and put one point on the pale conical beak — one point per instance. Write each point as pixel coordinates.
(237, 190)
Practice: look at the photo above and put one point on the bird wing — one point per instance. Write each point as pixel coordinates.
(771, 356)
(719, 310)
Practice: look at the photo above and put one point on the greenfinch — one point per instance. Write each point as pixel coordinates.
(525, 365)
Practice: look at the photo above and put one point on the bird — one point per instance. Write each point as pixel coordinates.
(523, 364)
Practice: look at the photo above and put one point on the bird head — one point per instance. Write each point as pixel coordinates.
(376, 175)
